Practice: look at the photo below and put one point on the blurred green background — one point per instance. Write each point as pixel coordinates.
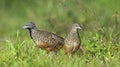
(56, 15)
(99, 34)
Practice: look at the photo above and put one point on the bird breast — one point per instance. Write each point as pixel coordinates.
(72, 39)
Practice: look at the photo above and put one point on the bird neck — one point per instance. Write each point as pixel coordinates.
(74, 30)
(31, 30)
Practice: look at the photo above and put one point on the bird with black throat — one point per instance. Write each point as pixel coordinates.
(47, 41)
(72, 42)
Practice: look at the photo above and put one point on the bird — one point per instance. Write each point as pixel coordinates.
(47, 41)
(72, 41)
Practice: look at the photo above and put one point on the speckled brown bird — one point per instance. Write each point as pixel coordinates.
(45, 40)
(72, 41)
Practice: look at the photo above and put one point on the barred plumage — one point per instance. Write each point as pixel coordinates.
(72, 41)
(43, 39)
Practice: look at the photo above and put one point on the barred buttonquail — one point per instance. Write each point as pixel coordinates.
(72, 41)
(43, 39)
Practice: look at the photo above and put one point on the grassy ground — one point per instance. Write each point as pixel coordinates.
(100, 35)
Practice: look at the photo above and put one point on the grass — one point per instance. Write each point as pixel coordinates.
(99, 34)
(23, 53)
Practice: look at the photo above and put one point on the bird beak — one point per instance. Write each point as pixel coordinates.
(24, 27)
(79, 27)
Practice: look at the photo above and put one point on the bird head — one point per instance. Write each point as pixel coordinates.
(76, 26)
(29, 25)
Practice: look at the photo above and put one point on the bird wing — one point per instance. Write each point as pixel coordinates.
(53, 40)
